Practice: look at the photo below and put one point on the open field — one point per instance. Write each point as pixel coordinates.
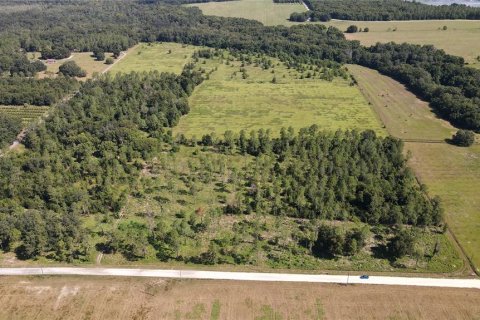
(25, 113)
(228, 102)
(265, 11)
(451, 172)
(83, 59)
(120, 298)
(164, 57)
(460, 38)
(404, 115)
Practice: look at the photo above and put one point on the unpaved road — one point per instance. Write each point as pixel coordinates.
(245, 276)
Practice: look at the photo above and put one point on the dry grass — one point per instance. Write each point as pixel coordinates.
(130, 298)
(451, 172)
(83, 59)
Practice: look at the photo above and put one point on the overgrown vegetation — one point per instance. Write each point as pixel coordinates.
(9, 128)
(92, 144)
(347, 196)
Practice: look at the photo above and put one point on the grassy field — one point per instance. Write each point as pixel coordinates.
(451, 172)
(228, 102)
(460, 38)
(83, 59)
(165, 57)
(123, 298)
(25, 113)
(265, 11)
(404, 115)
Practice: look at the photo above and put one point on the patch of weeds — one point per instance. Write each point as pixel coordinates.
(197, 312)
(267, 313)
(215, 315)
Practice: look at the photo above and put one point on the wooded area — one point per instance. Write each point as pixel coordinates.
(383, 10)
(98, 142)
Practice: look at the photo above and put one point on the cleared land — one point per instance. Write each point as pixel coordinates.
(227, 101)
(84, 59)
(403, 114)
(451, 172)
(164, 57)
(115, 298)
(460, 38)
(265, 11)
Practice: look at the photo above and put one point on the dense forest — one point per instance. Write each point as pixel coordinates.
(334, 176)
(95, 144)
(383, 10)
(44, 92)
(9, 127)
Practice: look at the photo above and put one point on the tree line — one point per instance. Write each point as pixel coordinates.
(383, 10)
(39, 92)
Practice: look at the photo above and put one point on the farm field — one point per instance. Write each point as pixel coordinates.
(403, 114)
(115, 298)
(451, 172)
(228, 102)
(460, 38)
(83, 59)
(25, 113)
(265, 11)
(164, 57)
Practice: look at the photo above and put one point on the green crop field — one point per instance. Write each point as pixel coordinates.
(228, 102)
(265, 11)
(164, 57)
(25, 113)
(451, 172)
